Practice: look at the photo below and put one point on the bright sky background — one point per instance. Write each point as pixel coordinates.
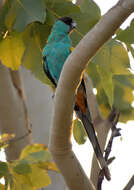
(122, 167)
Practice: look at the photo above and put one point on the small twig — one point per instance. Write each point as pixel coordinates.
(17, 82)
(115, 133)
(13, 140)
(130, 184)
(113, 118)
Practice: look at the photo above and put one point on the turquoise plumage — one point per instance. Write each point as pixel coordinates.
(57, 49)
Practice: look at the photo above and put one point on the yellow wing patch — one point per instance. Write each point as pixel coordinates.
(71, 49)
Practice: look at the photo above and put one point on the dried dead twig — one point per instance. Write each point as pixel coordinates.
(18, 85)
(113, 118)
(130, 184)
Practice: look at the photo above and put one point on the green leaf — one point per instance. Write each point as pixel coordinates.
(3, 169)
(123, 97)
(114, 57)
(91, 9)
(39, 178)
(24, 12)
(131, 49)
(85, 19)
(3, 13)
(127, 35)
(125, 80)
(32, 60)
(106, 79)
(32, 148)
(111, 59)
(40, 156)
(22, 167)
(5, 139)
(79, 132)
(48, 166)
(62, 8)
(11, 51)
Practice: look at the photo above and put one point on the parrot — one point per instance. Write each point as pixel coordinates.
(54, 54)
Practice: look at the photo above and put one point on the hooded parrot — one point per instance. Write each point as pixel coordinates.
(55, 53)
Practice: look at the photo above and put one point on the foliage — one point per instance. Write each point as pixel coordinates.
(79, 132)
(29, 172)
(24, 33)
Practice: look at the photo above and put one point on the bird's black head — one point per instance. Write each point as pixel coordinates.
(69, 21)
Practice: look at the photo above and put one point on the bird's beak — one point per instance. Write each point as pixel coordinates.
(74, 25)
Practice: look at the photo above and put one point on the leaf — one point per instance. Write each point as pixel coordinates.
(5, 139)
(106, 79)
(48, 166)
(62, 8)
(79, 132)
(32, 60)
(85, 19)
(22, 167)
(131, 49)
(91, 9)
(11, 51)
(30, 170)
(31, 149)
(40, 156)
(20, 182)
(111, 59)
(23, 12)
(123, 97)
(114, 57)
(125, 80)
(127, 35)
(3, 169)
(3, 12)
(39, 178)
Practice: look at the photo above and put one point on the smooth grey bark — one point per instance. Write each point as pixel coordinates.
(12, 114)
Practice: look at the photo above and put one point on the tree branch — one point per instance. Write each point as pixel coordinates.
(130, 184)
(12, 107)
(60, 143)
(92, 102)
(18, 85)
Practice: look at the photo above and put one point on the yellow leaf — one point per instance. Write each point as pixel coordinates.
(39, 178)
(71, 49)
(48, 166)
(11, 51)
(6, 137)
(32, 148)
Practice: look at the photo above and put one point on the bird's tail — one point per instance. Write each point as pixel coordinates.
(83, 113)
(94, 141)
